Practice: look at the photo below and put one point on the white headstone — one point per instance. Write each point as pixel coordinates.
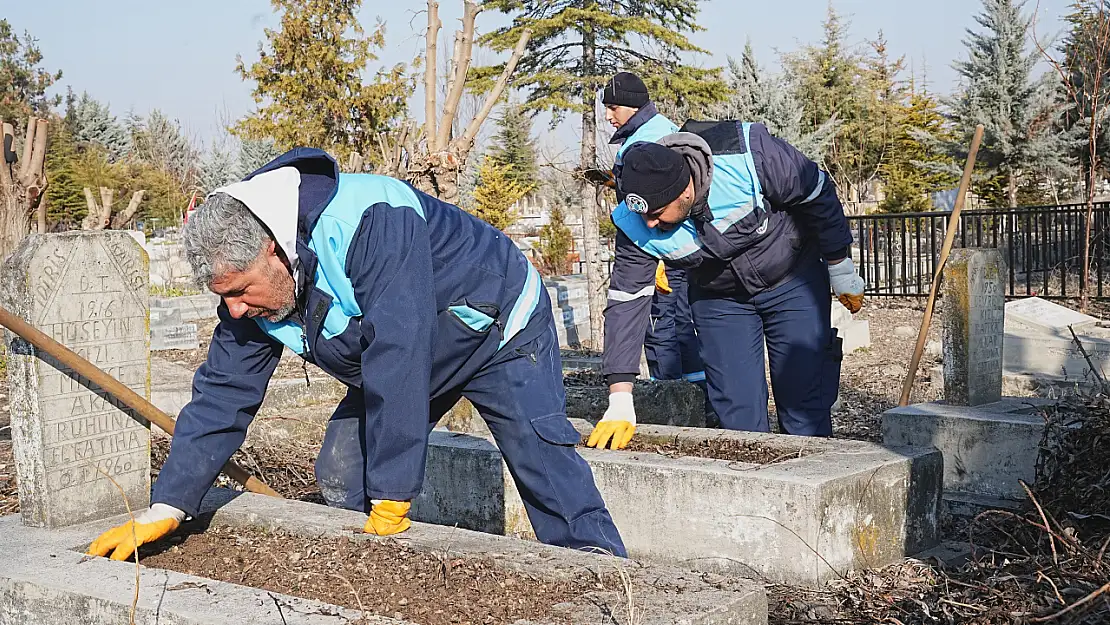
(1045, 316)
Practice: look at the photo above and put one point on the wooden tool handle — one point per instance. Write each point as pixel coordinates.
(949, 237)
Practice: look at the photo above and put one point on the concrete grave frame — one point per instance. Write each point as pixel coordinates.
(987, 449)
(45, 580)
(846, 505)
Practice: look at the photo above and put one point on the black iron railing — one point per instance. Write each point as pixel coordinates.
(1043, 248)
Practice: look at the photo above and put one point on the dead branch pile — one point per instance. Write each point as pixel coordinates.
(1047, 563)
(287, 468)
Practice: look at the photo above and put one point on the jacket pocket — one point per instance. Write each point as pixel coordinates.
(477, 318)
(556, 429)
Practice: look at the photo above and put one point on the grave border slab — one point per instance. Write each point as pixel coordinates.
(44, 578)
(763, 521)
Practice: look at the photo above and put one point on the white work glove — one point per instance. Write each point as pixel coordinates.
(618, 424)
(847, 284)
(153, 523)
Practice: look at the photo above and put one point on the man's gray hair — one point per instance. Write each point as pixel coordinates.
(222, 235)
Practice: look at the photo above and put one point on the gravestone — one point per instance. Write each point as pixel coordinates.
(1042, 316)
(89, 292)
(180, 336)
(973, 326)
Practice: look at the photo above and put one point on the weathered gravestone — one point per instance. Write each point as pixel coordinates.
(180, 336)
(89, 292)
(973, 326)
(1034, 313)
(1039, 343)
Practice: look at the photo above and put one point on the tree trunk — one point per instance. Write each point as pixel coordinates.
(1012, 190)
(124, 216)
(591, 247)
(22, 188)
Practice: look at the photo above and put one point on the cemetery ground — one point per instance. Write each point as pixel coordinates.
(1024, 565)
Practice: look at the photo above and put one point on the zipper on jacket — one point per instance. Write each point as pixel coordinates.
(304, 359)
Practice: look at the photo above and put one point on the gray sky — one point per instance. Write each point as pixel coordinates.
(180, 56)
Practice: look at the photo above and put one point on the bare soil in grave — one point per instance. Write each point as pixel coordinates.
(383, 578)
(719, 449)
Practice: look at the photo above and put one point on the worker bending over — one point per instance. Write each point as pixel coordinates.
(407, 300)
(761, 233)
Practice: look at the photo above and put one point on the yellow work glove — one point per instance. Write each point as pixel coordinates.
(661, 283)
(617, 426)
(847, 284)
(388, 517)
(154, 523)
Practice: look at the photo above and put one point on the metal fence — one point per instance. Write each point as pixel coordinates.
(1043, 248)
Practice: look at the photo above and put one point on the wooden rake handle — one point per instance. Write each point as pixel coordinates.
(949, 237)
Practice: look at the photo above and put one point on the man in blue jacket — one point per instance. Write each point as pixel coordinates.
(407, 300)
(761, 233)
(671, 344)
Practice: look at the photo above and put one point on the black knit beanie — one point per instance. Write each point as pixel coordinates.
(652, 176)
(625, 89)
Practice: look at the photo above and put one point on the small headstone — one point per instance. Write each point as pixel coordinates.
(1041, 315)
(89, 292)
(164, 317)
(181, 336)
(974, 305)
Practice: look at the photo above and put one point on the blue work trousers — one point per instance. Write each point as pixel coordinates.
(804, 351)
(520, 396)
(671, 343)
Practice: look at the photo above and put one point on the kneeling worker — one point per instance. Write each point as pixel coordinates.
(761, 233)
(407, 300)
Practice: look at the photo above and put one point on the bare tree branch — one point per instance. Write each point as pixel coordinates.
(28, 147)
(495, 94)
(431, 38)
(89, 223)
(464, 44)
(34, 176)
(121, 218)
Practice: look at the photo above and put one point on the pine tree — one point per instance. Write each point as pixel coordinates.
(65, 200)
(865, 144)
(825, 76)
(1085, 71)
(513, 145)
(254, 153)
(756, 97)
(160, 142)
(556, 241)
(220, 167)
(497, 193)
(89, 121)
(308, 81)
(914, 169)
(23, 83)
(576, 45)
(830, 80)
(1019, 112)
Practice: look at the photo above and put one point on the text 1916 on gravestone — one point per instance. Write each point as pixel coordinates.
(974, 315)
(89, 292)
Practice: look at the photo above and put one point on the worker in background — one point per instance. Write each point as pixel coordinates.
(762, 235)
(671, 343)
(411, 303)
